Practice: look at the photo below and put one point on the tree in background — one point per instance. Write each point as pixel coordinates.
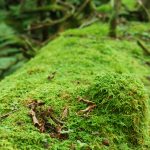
(144, 9)
(31, 24)
(116, 4)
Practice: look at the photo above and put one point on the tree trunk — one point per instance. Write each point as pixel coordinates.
(146, 3)
(42, 17)
(113, 20)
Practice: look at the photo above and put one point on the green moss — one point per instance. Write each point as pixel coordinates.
(130, 4)
(123, 100)
(78, 57)
(107, 8)
(135, 29)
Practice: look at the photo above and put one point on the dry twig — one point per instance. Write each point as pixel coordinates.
(91, 106)
(85, 101)
(88, 109)
(8, 114)
(35, 120)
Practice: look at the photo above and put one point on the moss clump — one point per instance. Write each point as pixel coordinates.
(123, 100)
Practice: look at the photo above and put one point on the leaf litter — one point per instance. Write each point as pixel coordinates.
(45, 120)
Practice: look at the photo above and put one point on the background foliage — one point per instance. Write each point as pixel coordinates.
(27, 25)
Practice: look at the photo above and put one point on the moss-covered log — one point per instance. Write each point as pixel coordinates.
(81, 63)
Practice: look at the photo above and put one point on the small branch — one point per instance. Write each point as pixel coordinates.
(88, 109)
(57, 121)
(45, 9)
(50, 23)
(86, 101)
(69, 5)
(35, 120)
(81, 8)
(49, 113)
(8, 114)
(144, 48)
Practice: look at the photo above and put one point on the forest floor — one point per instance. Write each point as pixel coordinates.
(112, 74)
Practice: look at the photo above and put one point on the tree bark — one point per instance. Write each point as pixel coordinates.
(113, 20)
